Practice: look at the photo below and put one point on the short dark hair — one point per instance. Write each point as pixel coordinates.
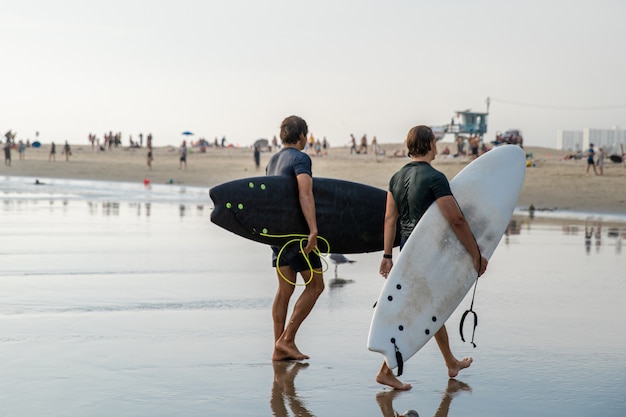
(291, 128)
(418, 140)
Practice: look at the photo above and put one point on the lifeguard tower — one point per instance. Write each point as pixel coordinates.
(469, 123)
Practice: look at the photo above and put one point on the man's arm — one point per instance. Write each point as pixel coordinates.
(452, 213)
(307, 204)
(391, 220)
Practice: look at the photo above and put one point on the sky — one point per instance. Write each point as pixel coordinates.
(236, 68)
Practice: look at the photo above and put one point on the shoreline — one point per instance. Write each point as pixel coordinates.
(553, 183)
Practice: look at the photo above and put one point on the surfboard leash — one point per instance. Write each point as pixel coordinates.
(300, 239)
(471, 309)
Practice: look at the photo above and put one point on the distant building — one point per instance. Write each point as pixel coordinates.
(612, 140)
(569, 140)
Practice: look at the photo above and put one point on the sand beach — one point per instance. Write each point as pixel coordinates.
(552, 182)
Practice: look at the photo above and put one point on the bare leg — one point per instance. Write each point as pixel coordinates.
(285, 346)
(386, 377)
(281, 300)
(454, 365)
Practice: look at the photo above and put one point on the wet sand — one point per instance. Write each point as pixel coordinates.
(552, 183)
(139, 309)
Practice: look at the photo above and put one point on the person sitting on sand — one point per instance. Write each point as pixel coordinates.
(411, 191)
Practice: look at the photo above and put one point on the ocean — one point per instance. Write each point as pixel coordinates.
(121, 299)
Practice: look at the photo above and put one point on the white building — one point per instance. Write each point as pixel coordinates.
(611, 140)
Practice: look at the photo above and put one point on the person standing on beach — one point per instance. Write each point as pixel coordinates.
(53, 152)
(353, 144)
(590, 162)
(21, 149)
(600, 161)
(257, 157)
(411, 191)
(67, 151)
(7, 153)
(291, 161)
(183, 155)
(150, 157)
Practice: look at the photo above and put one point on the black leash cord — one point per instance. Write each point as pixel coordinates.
(471, 310)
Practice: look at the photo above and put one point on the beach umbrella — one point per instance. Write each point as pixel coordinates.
(187, 133)
(263, 144)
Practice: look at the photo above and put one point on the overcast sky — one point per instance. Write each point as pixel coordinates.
(237, 68)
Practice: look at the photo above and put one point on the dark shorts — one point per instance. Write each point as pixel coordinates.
(293, 258)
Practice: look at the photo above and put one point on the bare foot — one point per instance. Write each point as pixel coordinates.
(455, 368)
(287, 352)
(386, 377)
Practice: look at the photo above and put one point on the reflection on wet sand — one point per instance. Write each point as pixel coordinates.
(594, 232)
(454, 388)
(284, 390)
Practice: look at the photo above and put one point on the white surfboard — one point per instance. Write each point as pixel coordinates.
(434, 271)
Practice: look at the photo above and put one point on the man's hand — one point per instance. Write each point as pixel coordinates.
(385, 267)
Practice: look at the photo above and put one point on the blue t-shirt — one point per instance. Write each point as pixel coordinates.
(290, 162)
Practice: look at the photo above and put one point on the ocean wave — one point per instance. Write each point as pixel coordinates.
(30, 188)
(192, 305)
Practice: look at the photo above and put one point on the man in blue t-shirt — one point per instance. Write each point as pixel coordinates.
(291, 161)
(590, 162)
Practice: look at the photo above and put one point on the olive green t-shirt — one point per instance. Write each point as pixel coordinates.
(414, 188)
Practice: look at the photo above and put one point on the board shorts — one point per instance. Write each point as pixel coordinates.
(292, 257)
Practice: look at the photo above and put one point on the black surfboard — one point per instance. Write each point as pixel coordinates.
(350, 216)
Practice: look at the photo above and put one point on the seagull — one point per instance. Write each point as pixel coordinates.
(339, 259)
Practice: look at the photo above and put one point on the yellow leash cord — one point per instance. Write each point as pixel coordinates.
(300, 238)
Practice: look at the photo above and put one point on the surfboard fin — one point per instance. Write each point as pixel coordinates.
(399, 358)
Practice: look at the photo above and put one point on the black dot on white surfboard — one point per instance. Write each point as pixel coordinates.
(427, 331)
(434, 319)
(400, 327)
(399, 286)
(390, 298)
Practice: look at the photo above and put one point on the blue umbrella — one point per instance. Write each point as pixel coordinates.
(187, 133)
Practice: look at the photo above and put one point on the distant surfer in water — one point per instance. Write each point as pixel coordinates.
(411, 191)
(292, 162)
